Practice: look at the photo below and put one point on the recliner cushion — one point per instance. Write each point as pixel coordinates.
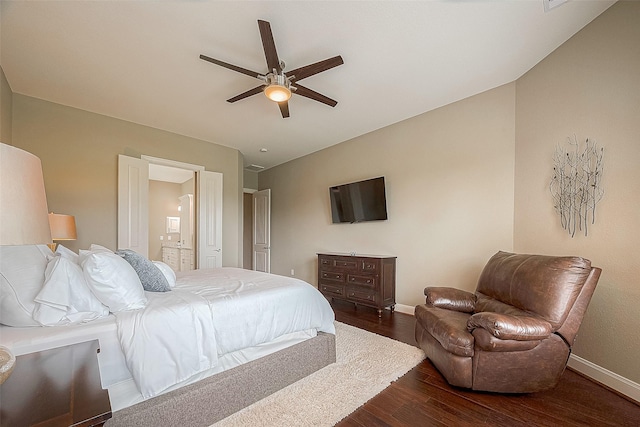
(506, 327)
(484, 341)
(545, 285)
(448, 327)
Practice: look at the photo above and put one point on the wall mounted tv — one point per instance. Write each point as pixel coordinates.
(359, 201)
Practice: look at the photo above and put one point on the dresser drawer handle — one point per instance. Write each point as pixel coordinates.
(367, 281)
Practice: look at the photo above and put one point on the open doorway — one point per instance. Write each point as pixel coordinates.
(257, 230)
(171, 219)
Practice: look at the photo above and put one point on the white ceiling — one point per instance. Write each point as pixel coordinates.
(138, 61)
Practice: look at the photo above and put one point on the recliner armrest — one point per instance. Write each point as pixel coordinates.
(451, 299)
(508, 327)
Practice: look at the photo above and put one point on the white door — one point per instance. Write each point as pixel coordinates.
(262, 230)
(209, 224)
(133, 206)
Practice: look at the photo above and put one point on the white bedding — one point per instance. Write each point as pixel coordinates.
(212, 312)
(240, 315)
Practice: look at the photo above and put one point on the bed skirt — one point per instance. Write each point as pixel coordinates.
(216, 397)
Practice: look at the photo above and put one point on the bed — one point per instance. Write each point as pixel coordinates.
(231, 334)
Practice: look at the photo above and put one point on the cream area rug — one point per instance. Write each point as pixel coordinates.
(366, 364)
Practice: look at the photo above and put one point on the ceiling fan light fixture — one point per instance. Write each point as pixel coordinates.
(277, 93)
(277, 88)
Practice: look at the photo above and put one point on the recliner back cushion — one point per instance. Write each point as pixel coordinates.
(545, 285)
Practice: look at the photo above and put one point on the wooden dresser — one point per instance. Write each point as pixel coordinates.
(362, 279)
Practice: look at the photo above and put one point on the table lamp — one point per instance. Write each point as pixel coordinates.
(63, 227)
(23, 213)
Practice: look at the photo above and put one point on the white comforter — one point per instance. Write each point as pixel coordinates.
(212, 312)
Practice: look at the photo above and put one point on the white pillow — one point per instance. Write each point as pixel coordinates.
(112, 280)
(67, 253)
(21, 278)
(65, 297)
(168, 272)
(98, 248)
(83, 253)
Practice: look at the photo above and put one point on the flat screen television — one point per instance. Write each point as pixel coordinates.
(359, 201)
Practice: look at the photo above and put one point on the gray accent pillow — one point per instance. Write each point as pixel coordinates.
(150, 276)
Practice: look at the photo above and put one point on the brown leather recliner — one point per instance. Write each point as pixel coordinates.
(514, 334)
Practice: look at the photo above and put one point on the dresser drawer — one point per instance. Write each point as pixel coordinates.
(338, 263)
(332, 290)
(336, 276)
(370, 266)
(346, 264)
(361, 296)
(325, 262)
(368, 281)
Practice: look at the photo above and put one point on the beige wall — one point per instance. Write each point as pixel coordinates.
(449, 187)
(6, 109)
(188, 187)
(250, 180)
(163, 202)
(79, 152)
(589, 87)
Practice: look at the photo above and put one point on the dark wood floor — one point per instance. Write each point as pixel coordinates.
(423, 398)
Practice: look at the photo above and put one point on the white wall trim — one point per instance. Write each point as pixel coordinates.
(604, 376)
(172, 163)
(406, 309)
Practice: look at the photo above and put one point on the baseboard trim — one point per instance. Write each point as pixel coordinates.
(406, 309)
(597, 373)
(610, 379)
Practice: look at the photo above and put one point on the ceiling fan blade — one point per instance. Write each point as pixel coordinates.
(318, 67)
(269, 46)
(308, 93)
(284, 109)
(246, 94)
(231, 67)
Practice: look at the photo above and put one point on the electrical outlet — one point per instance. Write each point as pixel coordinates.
(293, 272)
(168, 237)
(161, 237)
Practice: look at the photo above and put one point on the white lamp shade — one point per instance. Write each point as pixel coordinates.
(23, 202)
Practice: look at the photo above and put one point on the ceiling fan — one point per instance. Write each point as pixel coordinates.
(276, 84)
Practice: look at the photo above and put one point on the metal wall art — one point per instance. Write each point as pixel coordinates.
(576, 184)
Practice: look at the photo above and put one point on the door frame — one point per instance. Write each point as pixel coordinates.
(198, 170)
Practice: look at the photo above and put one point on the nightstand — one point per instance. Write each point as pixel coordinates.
(56, 387)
